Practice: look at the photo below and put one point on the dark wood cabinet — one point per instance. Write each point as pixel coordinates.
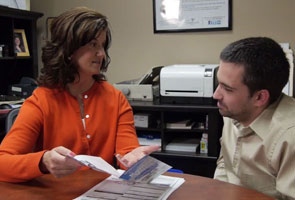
(13, 67)
(205, 119)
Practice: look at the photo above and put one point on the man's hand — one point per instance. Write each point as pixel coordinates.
(132, 157)
(57, 163)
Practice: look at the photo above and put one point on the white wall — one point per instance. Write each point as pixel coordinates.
(135, 48)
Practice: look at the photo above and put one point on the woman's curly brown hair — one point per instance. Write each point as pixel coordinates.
(70, 31)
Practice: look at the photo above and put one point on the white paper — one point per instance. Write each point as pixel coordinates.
(96, 163)
(114, 188)
(5, 3)
(144, 170)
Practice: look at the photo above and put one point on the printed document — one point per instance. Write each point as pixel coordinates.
(144, 170)
(114, 188)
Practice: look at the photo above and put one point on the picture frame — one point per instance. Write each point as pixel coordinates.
(20, 43)
(191, 16)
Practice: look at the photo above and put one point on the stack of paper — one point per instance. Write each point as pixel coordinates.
(185, 124)
(184, 145)
(148, 141)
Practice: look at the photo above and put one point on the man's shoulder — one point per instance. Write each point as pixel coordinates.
(284, 112)
(286, 107)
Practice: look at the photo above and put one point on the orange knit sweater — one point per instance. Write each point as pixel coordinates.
(51, 118)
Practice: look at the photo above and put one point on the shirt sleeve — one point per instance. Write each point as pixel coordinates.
(18, 161)
(220, 172)
(284, 162)
(126, 139)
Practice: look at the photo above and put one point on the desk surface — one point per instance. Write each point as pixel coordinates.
(47, 187)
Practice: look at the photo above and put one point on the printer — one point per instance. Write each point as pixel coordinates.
(188, 83)
(140, 89)
(24, 88)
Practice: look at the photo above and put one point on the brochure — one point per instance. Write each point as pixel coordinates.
(145, 170)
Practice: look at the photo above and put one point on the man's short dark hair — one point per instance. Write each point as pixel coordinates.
(265, 63)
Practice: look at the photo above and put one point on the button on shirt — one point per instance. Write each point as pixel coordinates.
(262, 155)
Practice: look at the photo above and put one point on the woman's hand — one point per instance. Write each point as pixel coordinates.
(132, 157)
(57, 163)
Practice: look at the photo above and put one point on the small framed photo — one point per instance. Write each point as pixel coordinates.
(192, 15)
(20, 43)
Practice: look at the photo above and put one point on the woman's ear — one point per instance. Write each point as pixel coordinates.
(262, 97)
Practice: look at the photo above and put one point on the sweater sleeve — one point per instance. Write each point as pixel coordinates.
(18, 162)
(126, 135)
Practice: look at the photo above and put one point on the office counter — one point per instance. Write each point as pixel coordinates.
(69, 187)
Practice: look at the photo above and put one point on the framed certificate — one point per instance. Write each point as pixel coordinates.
(192, 15)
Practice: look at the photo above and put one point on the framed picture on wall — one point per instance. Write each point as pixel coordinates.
(191, 15)
(20, 43)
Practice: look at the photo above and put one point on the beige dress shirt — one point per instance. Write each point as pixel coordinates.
(262, 155)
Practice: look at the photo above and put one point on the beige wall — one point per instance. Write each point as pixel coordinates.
(135, 48)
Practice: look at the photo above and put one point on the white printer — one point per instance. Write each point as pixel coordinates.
(140, 89)
(188, 83)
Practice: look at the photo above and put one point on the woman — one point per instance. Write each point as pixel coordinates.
(18, 47)
(74, 111)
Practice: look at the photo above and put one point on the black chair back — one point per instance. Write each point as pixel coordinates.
(11, 116)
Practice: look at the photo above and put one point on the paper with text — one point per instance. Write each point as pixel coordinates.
(113, 188)
(96, 163)
(144, 170)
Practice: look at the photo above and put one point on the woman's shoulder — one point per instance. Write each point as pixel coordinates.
(41, 90)
(45, 94)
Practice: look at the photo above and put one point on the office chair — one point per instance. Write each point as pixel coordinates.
(11, 116)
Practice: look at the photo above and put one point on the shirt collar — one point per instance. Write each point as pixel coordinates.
(262, 124)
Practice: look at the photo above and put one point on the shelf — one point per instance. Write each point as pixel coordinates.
(22, 57)
(181, 153)
(186, 130)
(150, 106)
(184, 154)
(148, 129)
(7, 58)
(15, 58)
(14, 67)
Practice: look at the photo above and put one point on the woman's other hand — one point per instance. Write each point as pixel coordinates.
(132, 157)
(56, 162)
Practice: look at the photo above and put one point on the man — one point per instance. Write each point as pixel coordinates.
(258, 141)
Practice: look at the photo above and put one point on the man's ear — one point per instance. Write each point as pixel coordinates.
(262, 98)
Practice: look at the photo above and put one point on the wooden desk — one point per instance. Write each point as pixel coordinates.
(47, 187)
